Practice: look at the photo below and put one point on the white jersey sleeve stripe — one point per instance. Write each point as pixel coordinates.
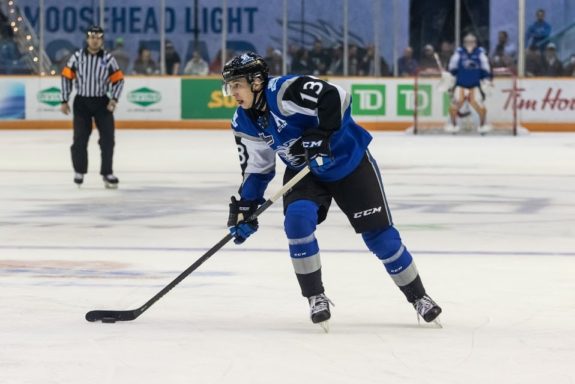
(290, 108)
(261, 158)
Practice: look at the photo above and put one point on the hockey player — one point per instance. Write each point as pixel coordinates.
(470, 66)
(308, 121)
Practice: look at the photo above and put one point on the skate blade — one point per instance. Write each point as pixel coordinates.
(111, 186)
(437, 322)
(325, 326)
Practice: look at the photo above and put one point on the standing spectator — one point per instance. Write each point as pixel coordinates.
(503, 55)
(95, 73)
(121, 55)
(539, 31)
(533, 61)
(197, 65)
(406, 65)
(551, 65)
(172, 59)
(144, 64)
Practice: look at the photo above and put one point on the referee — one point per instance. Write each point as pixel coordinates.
(99, 82)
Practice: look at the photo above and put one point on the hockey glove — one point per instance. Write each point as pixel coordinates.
(238, 225)
(318, 154)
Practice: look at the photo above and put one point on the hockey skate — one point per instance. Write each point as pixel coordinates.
(78, 179)
(428, 309)
(450, 128)
(110, 181)
(483, 129)
(319, 310)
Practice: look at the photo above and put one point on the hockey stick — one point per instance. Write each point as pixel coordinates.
(109, 316)
(438, 62)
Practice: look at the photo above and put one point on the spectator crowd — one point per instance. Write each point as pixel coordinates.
(541, 57)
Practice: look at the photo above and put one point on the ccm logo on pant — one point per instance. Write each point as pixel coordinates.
(367, 212)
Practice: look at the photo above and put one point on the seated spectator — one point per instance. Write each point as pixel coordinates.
(172, 59)
(274, 60)
(367, 64)
(445, 52)
(120, 54)
(539, 31)
(407, 65)
(291, 53)
(216, 64)
(533, 61)
(427, 64)
(551, 66)
(353, 60)
(569, 69)
(144, 64)
(300, 63)
(336, 65)
(503, 55)
(197, 65)
(319, 59)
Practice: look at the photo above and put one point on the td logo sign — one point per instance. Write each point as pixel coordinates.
(368, 99)
(406, 100)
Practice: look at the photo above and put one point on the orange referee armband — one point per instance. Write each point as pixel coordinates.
(68, 73)
(116, 76)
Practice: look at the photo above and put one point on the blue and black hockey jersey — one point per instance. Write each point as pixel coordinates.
(296, 104)
(469, 68)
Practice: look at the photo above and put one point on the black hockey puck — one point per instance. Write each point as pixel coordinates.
(108, 320)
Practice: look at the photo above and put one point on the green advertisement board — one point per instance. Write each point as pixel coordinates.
(406, 100)
(368, 99)
(203, 99)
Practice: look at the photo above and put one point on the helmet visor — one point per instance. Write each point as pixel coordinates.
(230, 83)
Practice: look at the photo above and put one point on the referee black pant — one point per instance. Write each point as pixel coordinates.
(86, 109)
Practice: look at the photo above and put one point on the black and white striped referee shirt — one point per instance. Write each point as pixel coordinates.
(94, 75)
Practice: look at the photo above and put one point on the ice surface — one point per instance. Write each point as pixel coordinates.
(490, 222)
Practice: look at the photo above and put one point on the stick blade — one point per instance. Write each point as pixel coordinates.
(111, 316)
